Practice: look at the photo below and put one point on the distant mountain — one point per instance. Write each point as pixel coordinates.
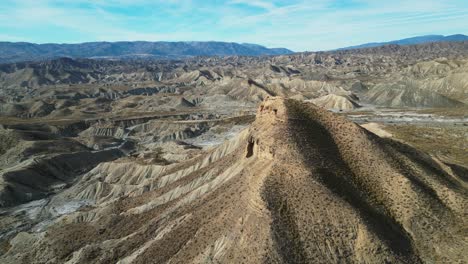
(23, 51)
(413, 41)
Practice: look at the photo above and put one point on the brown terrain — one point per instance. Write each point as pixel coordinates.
(338, 157)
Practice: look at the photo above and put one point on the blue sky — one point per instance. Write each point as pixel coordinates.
(296, 24)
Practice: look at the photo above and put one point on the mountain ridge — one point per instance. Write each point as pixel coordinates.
(25, 51)
(411, 41)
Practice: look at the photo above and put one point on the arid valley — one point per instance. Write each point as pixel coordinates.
(347, 156)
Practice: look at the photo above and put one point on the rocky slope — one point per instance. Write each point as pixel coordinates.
(300, 185)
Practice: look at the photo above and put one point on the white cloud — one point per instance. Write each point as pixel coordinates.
(255, 3)
(5, 37)
(299, 25)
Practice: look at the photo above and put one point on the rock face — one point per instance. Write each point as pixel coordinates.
(300, 185)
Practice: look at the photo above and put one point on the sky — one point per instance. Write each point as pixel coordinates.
(295, 24)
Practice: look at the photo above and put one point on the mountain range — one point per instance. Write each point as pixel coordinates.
(24, 51)
(412, 41)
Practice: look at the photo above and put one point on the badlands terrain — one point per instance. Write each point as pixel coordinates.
(351, 156)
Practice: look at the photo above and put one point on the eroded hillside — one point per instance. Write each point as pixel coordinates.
(299, 185)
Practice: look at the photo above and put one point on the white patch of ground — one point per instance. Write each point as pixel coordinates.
(404, 117)
(377, 129)
(212, 138)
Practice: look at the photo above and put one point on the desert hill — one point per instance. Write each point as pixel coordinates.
(299, 185)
